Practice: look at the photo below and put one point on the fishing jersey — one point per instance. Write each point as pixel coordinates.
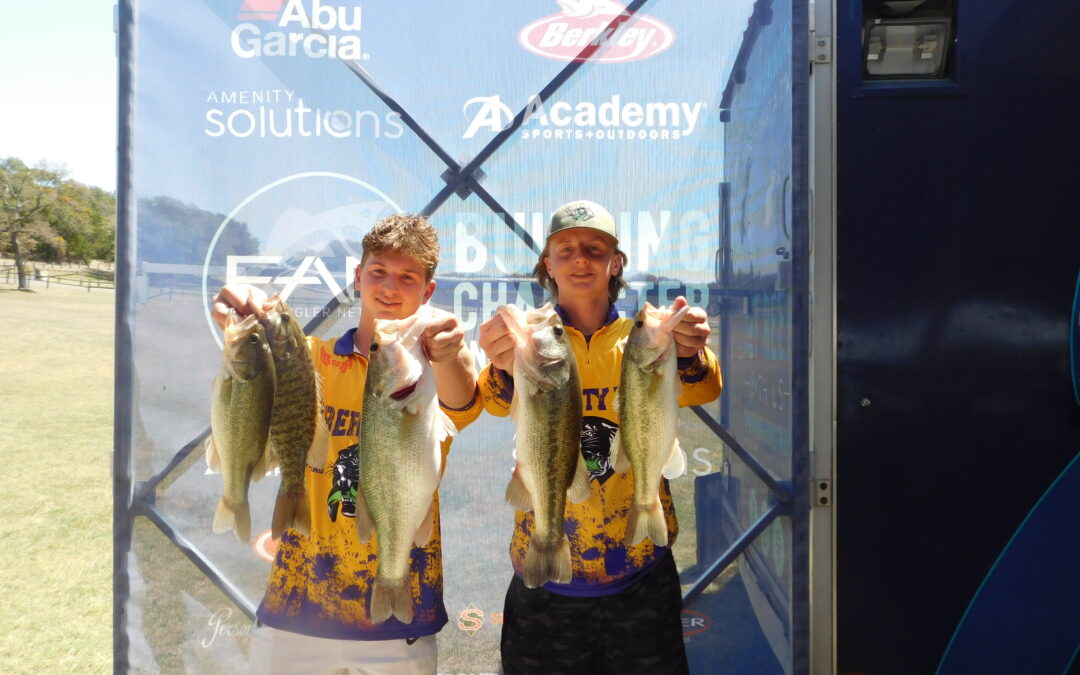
(602, 565)
(321, 585)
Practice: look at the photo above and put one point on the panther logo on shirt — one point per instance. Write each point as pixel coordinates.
(342, 498)
(596, 435)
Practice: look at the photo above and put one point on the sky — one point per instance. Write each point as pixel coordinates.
(58, 87)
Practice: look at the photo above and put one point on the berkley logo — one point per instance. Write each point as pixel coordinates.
(586, 22)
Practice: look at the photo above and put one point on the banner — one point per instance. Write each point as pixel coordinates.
(267, 136)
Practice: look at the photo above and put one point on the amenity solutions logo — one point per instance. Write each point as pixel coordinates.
(299, 28)
(591, 22)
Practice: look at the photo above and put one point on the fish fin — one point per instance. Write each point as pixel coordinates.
(544, 563)
(620, 461)
(444, 426)
(517, 495)
(213, 455)
(287, 513)
(320, 444)
(302, 519)
(646, 521)
(365, 526)
(267, 462)
(676, 464)
(580, 487)
(391, 600)
(234, 517)
(423, 533)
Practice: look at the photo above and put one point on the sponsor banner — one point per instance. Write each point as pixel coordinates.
(270, 135)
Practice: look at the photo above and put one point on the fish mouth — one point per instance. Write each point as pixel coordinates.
(403, 393)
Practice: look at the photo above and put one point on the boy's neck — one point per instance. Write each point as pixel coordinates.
(587, 315)
(362, 337)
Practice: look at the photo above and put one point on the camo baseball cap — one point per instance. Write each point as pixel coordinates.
(582, 213)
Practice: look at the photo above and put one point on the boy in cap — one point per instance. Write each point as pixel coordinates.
(621, 612)
(314, 615)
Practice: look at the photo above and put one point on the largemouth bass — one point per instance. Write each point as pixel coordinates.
(648, 406)
(298, 432)
(546, 411)
(243, 396)
(401, 433)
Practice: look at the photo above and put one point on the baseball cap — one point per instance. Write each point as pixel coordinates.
(582, 213)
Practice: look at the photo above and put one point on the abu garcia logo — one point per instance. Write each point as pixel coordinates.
(301, 27)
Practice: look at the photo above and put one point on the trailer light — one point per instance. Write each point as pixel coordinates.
(905, 48)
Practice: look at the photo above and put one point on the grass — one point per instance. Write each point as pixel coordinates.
(56, 488)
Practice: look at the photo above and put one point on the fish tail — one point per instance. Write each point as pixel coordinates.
(389, 599)
(548, 563)
(234, 517)
(291, 511)
(646, 520)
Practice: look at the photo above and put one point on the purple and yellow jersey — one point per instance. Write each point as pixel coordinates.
(320, 585)
(601, 563)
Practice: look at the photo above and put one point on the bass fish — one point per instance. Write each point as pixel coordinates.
(298, 432)
(546, 412)
(401, 433)
(240, 407)
(648, 407)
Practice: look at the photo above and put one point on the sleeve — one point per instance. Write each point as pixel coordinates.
(496, 390)
(701, 379)
(463, 417)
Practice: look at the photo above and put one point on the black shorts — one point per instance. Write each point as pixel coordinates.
(638, 630)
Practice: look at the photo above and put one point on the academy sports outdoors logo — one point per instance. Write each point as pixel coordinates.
(300, 27)
(612, 119)
(585, 22)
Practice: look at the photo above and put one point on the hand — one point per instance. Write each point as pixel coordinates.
(498, 343)
(242, 298)
(692, 333)
(443, 340)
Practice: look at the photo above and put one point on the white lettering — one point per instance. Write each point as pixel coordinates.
(470, 254)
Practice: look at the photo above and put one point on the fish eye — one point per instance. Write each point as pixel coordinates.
(284, 318)
(639, 323)
(253, 338)
(374, 346)
(557, 330)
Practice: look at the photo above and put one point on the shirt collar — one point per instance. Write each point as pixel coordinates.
(346, 344)
(612, 315)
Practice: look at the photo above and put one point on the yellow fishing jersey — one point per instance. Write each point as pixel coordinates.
(601, 563)
(321, 585)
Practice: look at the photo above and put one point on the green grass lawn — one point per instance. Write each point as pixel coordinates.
(56, 487)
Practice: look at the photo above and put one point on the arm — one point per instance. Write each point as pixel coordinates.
(455, 373)
(496, 380)
(698, 367)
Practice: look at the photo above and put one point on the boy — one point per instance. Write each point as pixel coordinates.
(621, 612)
(314, 616)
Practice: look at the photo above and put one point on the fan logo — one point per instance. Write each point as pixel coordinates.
(617, 35)
(312, 28)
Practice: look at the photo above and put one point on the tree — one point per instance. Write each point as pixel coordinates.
(26, 193)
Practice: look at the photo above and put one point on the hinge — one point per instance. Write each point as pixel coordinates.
(822, 492)
(820, 48)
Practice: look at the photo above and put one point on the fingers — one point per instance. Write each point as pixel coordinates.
(444, 339)
(692, 333)
(242, 298)
(498, 342)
